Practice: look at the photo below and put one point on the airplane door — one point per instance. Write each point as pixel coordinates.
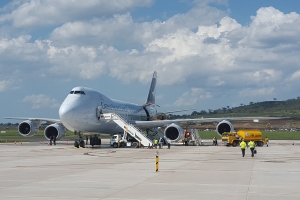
(99, 112)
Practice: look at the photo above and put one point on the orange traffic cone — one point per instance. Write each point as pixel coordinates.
(67, 142)
(40, 142)
(15, 142)
(48, 144)
(21, 143)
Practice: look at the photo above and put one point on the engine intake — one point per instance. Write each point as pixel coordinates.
(224, 126)
(174, 132)
(56, 130)
(28, 128)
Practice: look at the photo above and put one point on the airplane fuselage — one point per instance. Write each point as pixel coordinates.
(79, 111)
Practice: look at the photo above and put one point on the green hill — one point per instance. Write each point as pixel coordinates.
(290, 108)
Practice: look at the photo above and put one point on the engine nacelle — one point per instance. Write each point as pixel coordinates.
(57, 130)
(174, 132)
(224, 126)
(28, 128)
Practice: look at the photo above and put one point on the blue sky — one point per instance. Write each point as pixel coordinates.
(208, 54)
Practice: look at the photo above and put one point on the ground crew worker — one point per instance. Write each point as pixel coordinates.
(92, 142)
(155, 143)
(214, 141)
(186, 141)
(54, 140)
(252, 147)
(51, 139)
(267, 141)
(169, 143)
(243, 147)
(160, 142)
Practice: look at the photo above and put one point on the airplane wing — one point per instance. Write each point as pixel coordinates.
(174, 129)
(182, 122)
(30, 127)
(48, 120)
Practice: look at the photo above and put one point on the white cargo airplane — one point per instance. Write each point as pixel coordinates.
(81, 111)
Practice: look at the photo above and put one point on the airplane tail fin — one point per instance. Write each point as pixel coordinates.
(151, 95)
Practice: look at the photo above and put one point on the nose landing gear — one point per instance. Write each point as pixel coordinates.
(79, 142)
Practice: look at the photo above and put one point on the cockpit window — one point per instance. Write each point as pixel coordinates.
(77, 92)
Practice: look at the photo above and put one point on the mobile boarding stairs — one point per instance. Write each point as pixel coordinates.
(128, 128)
(138, 134)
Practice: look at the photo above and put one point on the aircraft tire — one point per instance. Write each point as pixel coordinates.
(92, 141)
(134, 144)
(97, 141)
(76, 144)
(234, 143)
(115, 145)
(81, 143)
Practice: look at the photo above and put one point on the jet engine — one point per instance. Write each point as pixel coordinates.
(57, 130)
(28, 128)
(174, 132)
(224, 126)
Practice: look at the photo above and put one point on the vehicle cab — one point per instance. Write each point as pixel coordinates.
(118, 140)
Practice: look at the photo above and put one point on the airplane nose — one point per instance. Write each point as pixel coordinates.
(65, 112)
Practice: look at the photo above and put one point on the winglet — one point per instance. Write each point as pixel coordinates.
(151, 95)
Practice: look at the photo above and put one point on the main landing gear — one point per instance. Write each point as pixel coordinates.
(95, 140)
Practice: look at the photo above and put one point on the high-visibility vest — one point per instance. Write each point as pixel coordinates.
(243, 145)
(155, 141)
(251, 144)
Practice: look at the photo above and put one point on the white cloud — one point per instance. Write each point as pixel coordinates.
(216, 81)
(262, 77)
(121, 30)
(189, 48)
(21, 57)
(48, 12)
(4, 85)
(41, 101)
(192, 97)
(249, 92)
(83, 62)
(272, 28)
(295, 76)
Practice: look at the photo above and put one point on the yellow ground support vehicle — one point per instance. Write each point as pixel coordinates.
(234, 138)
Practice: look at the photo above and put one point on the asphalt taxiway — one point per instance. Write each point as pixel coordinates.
(35, 171)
